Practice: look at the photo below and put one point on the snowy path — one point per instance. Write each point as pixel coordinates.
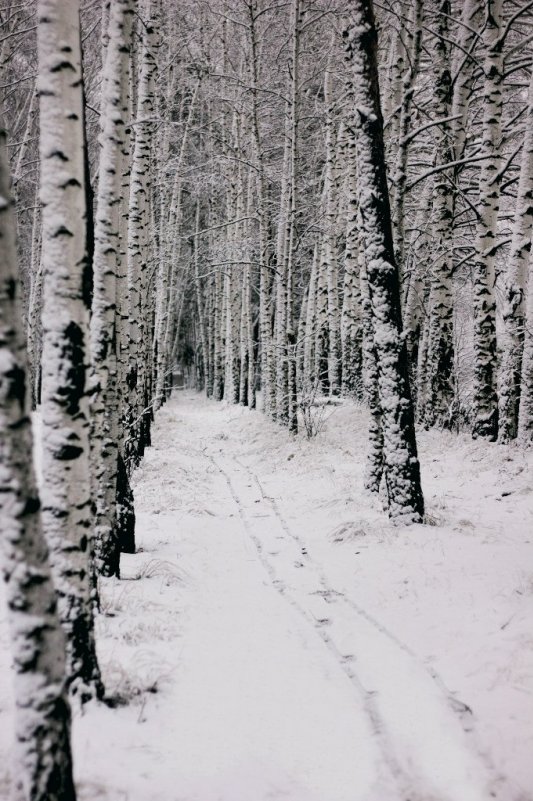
(272, 650)
(285, 688)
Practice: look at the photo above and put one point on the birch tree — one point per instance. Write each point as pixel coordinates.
(105, 405)
(400, 460)
(139, 248)
(436, 379)
(517, 285)
(67, 511)
(351, 322)
(485, 400)
(42, 764)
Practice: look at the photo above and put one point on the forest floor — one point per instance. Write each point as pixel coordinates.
(275, 637)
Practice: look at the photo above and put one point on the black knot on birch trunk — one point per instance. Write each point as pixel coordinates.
(73, 388)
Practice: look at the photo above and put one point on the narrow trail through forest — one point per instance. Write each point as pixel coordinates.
(276, 637)
(289, 688)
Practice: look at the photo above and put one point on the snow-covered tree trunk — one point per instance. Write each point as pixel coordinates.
(392, 96)
(67, 504)
(231, 328)
(42, 765)
(265, 281)
(400, 460)
(351, 323)
(105, 405)
(218, 317)
(308, 373)
(329, 245)
(435, 404)
(139, 246)
(485, 401)
(297, 22)
(415, 285)
(321, 332)
(300, 341)
(210, 374)
(463, 70)
(281, 344)
(200, 302)
(525, 417)
(517, 283)
(374, 459)
(408, 80)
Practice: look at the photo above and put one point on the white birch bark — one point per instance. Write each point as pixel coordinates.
(281, 411)
(265, 278)
(351, 322)
(400, 460)
(330, 254)
(435, 405)
(516, 285)
(309, 375)
(408, 85)
(200, 304)
(139, 245)
(42, 765)
(485, 401)
(67, 511)
(463, 73)
(525, 416)
(374, 459)
(105, 405)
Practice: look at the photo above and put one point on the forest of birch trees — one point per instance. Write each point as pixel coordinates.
(282, 204)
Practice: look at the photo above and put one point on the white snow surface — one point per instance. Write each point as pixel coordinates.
(275, 637)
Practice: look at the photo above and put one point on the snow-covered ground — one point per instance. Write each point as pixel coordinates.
(276, 638)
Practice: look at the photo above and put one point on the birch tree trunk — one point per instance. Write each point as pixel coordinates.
(408, 80)
(265, 279)
(435, 405)
(374, 459)
(525, 417)
(517, 283)
(400, 459)
(416, 280)
(42, 765)
(67, 507)
(139, 248)
(309, 375)
(351, 323)
(105, 406)
(330, 255)
(463, 69)
(485, 401)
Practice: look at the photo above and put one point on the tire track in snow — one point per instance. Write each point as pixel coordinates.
(458, 707)
(401, 768)
(405, 790)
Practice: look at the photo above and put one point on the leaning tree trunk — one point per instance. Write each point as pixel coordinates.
(67, 504)
(42, 765)
(401, 468)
